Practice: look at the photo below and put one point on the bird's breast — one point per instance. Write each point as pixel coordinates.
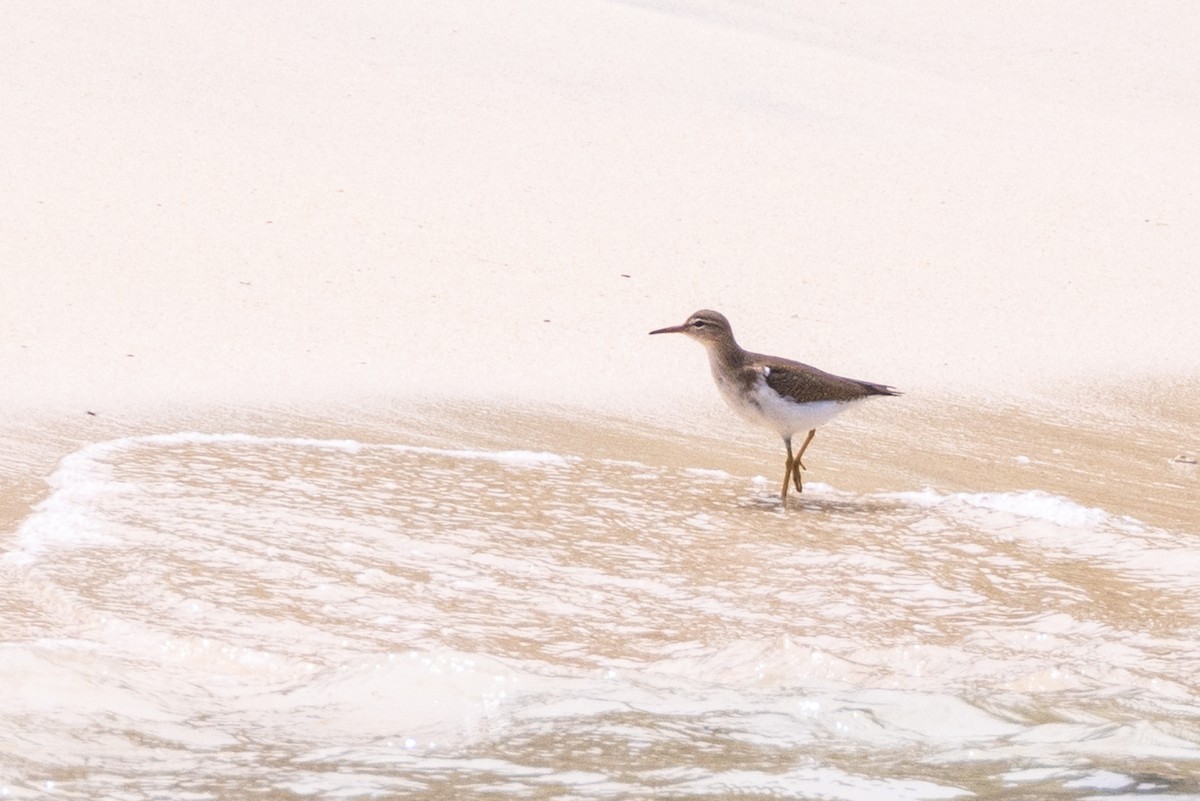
(749, 395)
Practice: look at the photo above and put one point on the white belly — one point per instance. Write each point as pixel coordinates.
(764, 407)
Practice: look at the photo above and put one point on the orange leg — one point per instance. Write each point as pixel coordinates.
(789, 470)
(812, 433)
(792, 470)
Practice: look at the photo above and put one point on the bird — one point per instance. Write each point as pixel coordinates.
(782, 395)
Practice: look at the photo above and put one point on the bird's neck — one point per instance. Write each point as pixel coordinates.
(726, 356)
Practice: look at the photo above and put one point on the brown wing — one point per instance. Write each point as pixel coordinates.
(807, 384)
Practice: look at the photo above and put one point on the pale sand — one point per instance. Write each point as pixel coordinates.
(235, 208)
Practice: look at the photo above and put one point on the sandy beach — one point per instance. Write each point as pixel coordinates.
(453, 225)
(500, 200)
(496, 203)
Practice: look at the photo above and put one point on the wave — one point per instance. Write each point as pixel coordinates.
(85, 483)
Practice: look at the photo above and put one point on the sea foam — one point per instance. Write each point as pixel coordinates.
(84, 481)
(1031, 504)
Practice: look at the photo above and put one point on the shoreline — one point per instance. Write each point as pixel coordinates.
(1123, 455)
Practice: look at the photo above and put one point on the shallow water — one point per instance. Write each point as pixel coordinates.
(195, 615)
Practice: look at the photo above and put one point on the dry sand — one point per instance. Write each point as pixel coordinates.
(233, 207)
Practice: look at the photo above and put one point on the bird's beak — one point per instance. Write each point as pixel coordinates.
(674, 329)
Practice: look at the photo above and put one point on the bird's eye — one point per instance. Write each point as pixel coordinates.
(698, 323)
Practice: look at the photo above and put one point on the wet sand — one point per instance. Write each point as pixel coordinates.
(1130, 455)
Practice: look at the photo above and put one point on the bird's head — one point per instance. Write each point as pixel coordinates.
(706, 326)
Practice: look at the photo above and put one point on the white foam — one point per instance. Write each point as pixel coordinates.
(80, 483)
(513, 457)
(421, 698)
(1032, 504)
(1064, 528)
(84, 481)
(703, 472)
(1041, 506)
(199, 438)
(819, 781)
(1101, 780)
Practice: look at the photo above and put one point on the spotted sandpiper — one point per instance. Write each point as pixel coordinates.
(785, 396)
